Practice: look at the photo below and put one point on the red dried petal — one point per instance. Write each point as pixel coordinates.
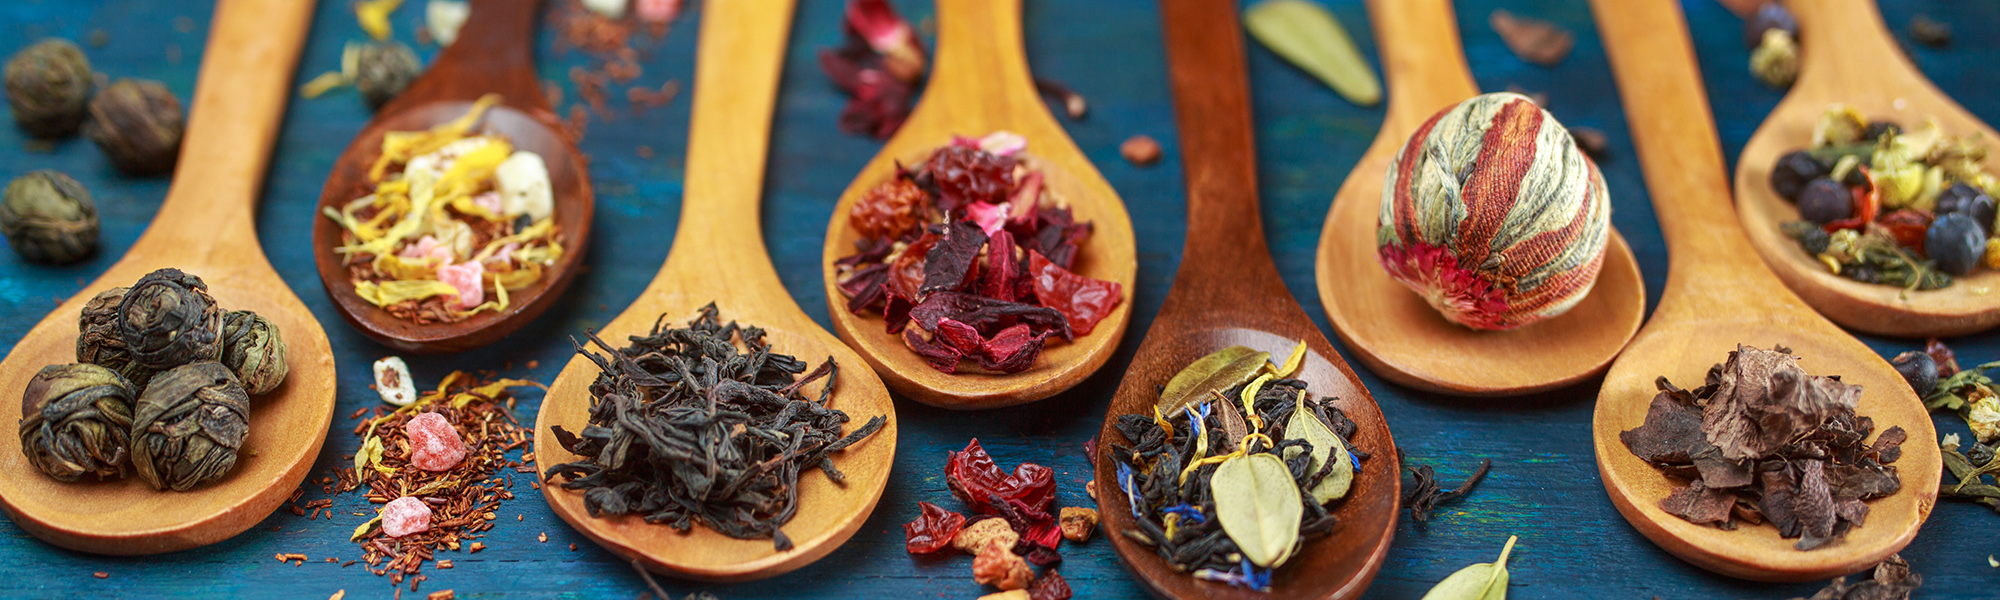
(966, 175)
(877, 23)
(1866, 205)
(975, 480)
(1002, 268)
(951, 262)
(942, 357)
(959, 336)
(1082, 300)
(1907, 226)
(1013, 350)
(932, 530)
(906, 275)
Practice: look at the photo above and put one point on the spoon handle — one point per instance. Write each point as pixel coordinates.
(981, 74)
(494, 53)
(1212, 108)
(239, 102)
(1844, 46)
(1421, 57)
(737, 64)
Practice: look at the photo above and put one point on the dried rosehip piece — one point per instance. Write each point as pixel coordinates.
(934, 529)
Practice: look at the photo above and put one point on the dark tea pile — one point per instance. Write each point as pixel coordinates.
(971, 247)
(1012, 525)
(1763, 441)
(687, 428)
(162, 385)
(1229, 492)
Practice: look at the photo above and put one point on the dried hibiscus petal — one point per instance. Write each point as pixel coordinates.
(1002, 267)
(1013, 350)
(966, 175)
(959, 336)
(948, 265)
(932, 530)
(1082, 300)
(976, 481)
(866, 288)
(980, 312)
(877, 23)
(940, 355)
(906, 274)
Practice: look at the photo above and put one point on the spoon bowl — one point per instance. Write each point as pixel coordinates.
(1226, 293)
(1849, 57)
(981, 85)
(719, 257)
(206, 227)
(1392, 329)
(490, 56)
(1718, 296)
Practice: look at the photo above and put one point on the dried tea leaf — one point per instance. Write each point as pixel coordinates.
(1258, 506)
(1534, 40)
(1305, 426)
(1764, 400)
(1483, 581)
(1218, 371)
(1309, 36)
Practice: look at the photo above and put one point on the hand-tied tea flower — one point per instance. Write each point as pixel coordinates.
(48, 84)
(450, 218)
(379, 70)
(76, 420)
(430, 507)
(167, 319)
(188, 426)
(878, 66)
(1492, 215)
(1234, 469)
(253, 350)
(689, 396)
(137, 124)
(1483, 581)
(1763, 441)
(1306, 34)
(49, 218)
(977, 253)
(1879, 204)
(1014, 523)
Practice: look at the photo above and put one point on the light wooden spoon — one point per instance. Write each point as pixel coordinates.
(494, 54)
(1391, 329)
(1228, 292)
(206, 227)
(981, 85)
(1849, 57)
(719, 256)
(1718, 295)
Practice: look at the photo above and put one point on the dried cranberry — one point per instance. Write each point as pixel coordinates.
(975, 481)
(964, 175)
(1907, 226)
(933, 529)
(1050, 586)
(1947, 361)
(1082, 300)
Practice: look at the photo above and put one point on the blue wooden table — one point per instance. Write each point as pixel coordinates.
(1544, 485)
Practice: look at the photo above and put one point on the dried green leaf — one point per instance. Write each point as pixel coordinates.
(1483, 581)
(366, 528)
(1325, 445)
(369, 455)
(1309, 36)
(1258, 505)
(1218, 371)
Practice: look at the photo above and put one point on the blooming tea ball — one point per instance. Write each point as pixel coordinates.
(76, 420)
(49, 218)
(1492, 214)
(434, 444)
(404, 516)
(47, 86)
(138, 125)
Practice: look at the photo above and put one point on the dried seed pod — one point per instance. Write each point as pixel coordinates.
(49, 218)
(1492, 215)
(382, 70)
(137, 123)
(48, 85)
(188, 425)
(76, 420)
(254, 350)
(168, 319)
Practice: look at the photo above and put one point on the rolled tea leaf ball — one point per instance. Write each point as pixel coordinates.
(137, 124)
(48, 85)
(76, 420)
(1492, 215)
(188, 425)
(168, 319)
(49, 218)
(253, 349)
(383, 69)
(97, 340)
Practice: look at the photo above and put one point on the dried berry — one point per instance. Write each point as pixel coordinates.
(1955, 242)
(1793, 171)
(889, 210)
(1919, 369)
(138, 125)
(965, 175)
(1050, 586)
(1970, 200)
(1141, 150)
(49, 218)
(998, 566)
(1078, 522)
(48, 85)
(1825, 201)
(1769, 16)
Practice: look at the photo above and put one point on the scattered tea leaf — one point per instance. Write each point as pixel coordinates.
(1258, 505)
(1534, 40)
(1427, 493)
(1309, 36)
(1892, 580)
(1483, 581)
(1325, 445)
(1218, 371)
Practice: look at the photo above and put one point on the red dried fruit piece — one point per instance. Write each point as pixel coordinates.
(1013, 350)
(933, 529)
(1082, 300)
(960, 337)
(1866, 205)
(966, 175)
(1947, 361)
(434, 444)
(986, 313)
(975, 480)
(940, 355)
(1050, 586)
(889, 210)
(1002, 267)
(1907, 226)
(906, 275)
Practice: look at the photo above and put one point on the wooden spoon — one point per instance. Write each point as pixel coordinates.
(206, 227)
(494, 54)
(719, 256)
(1718, 296)
(981, 85)
(1393, 331)
(1228, 293)
(1850, 58)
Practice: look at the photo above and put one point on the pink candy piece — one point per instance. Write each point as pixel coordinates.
(434, 445)
(658, 11)
(467, 278)
(428, 248)
(489, 201)
(404, 516)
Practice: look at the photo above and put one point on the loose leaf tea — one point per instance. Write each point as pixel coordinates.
(1483, 581)
(76, 420)
(1892, 580)
(1182, 470)
(1761, 441)
(188, 425)
(1974, 471)
(1426, 493)
(687, 428)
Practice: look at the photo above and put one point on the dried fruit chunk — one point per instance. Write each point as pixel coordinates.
(404, 516)
(889, 210)
(1078, 522)
(984, 532)
(1082, 300)
(998, 566)
(933, 529)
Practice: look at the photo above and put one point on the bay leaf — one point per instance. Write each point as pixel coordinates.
(1309, 36)
(1218, 371)
(1483, 581)
(1304, 425)
(1258, 506)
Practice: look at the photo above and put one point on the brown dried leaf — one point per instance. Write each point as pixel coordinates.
(1671, 434)
(1764, 400)
(1534, 40)
(1699, 504)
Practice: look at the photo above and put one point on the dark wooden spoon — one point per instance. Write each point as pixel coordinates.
(493, 55)
(1228, 292)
